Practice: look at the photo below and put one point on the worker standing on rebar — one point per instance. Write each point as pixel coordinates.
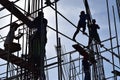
(9, 45)
(93, 34)
(86, 68)
(48, 3)
(38, 43)
(81, 24)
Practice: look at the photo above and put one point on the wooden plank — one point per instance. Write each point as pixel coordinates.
(19, 61)
(14, 59)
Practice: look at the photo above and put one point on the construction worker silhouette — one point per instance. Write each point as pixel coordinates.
(38, 43)
(40, 23)
(81, 24)
(93, 34)
(9, 44)
(86, 68)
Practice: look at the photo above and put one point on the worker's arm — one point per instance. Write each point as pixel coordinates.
(19, 36)
(98, 27)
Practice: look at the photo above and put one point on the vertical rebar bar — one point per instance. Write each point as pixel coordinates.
(70, 64)
(118, 8)
(110, 34)
(57, 40)
(116, 33)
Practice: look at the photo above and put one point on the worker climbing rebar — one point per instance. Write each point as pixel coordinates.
(81, 24)
(38, 42)
(93, 34)
(9, 45)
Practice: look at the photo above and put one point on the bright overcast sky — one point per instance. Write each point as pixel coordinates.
(70, 9)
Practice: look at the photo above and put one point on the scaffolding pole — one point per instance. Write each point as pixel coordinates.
(116, 33)
(110, 34)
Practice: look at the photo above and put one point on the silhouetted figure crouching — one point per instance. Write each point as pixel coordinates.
(9, 45)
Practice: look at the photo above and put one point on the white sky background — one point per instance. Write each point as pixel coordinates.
(71, 9)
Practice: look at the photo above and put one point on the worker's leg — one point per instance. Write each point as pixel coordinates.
(97, 38)
(13, 47)
(16, 47)
(75, 34)
(87, 76)
(84, 28)
(90, 40)
(83, 25)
